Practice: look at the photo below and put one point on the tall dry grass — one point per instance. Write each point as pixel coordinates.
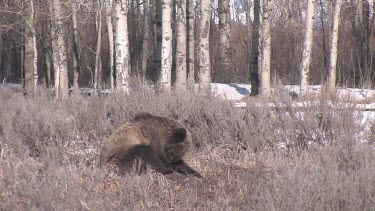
(254, 158)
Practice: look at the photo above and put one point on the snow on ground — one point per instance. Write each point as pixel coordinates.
(230, 91)
(357, 97)
(11, 86)
(237, 92)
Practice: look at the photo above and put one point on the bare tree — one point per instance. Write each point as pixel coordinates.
(108, 13)
(191, 42)
(146, 35)
(166, 53)
(306, 56)
(334, 39)
(254, 69)
(98, 60)
(204, 44)
(224, 35)
(59, 51)
(265, 49)
(158, 38)
(366, 39)
(181, 73)
(76, 58)
(122, 46)
(30, 51)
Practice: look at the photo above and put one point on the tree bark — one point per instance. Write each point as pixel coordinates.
(145, 42)
(158, 39)
(59, 48)
(224, 36)
(181, 73)
(122, 47)
(204, 51)
(31, 53)
(265, 83)
(98, 60)
(254, 69)
(76, 58)
(191, 43)
(334, 40)
(306, 56)
(322, 17)
(55, 47)
(110, 43)
(366, 41)
(166, 54)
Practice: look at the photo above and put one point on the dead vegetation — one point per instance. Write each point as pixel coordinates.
(254, 158)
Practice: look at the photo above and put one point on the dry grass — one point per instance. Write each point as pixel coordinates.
(49, 154)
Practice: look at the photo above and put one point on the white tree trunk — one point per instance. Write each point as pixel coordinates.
(224, 36)
(31, 53)
(204, 51)
(265, 89)
(306, 56)
(98, 60)
(110, 42)
(334, 40)
(76, 59)
(35, 60)
(122, 46)
(191, 42)
(55, 55)
(181, 73)
(59, 48)
(145, 42)
(166, 53)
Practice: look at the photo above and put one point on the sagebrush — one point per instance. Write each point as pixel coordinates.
(274, 157)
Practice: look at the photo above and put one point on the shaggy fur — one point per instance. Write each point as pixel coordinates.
(158, 141)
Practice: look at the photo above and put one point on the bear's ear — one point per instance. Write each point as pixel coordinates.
(178, 135)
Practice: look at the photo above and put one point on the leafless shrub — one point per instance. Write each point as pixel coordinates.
(49, 154)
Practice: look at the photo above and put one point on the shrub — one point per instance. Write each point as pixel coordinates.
(259, 157)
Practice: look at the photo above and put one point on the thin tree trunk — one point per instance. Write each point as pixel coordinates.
(204, 43)
(254, 70)
(306, 56)
(334, 40)
(191, 43)
(324, 34)
(181, 73)
(266, 50)
(47, 58)
(366, 41)
(76, 58)
(166, 54)
(145, 43)
(248, 35)
(35, 60)
(55, 55)
(110, 42)
(158, 39)
(31, 53)
(224, 36)
(98, 60)
(122, 47)
(47, 51)
(61, 72)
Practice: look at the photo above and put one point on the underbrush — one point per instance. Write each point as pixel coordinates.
(274, 157)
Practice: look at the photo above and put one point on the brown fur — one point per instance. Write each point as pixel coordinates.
(159, 141)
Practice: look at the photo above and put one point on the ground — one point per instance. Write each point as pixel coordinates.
(280, 153)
